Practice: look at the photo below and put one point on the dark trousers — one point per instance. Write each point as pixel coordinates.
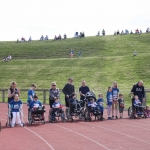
(51, 102)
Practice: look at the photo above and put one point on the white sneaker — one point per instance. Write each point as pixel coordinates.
(12, 126)
(21, 124)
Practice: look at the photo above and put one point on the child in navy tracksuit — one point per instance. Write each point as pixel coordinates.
(109, 97)
(93, 105)
(15, 107)
(100, 103)
(137, 104)
(57, 108)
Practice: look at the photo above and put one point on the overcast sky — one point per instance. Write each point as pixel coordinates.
(52, 17)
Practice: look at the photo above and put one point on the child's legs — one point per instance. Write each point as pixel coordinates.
(109, 109)
(14, 118)
(113, 105)
(18, 117)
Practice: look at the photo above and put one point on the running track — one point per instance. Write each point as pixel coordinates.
(121, 134)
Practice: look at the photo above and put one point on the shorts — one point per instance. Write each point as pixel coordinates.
(121, 109)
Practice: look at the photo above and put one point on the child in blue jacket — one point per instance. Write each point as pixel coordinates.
(15, 107)
(109, 98)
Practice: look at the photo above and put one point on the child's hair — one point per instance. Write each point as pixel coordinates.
(35, 96)
(108, 88)
(120, 95)
(147, 106)
(55, 98)
(73, 94)
(100, 95)
(115, 83)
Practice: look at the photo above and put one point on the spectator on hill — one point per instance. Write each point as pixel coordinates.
(98, 33)
(140, 32)
(42, 38)
(80, 54)
(136, 31)
(126, 31)
(59, 37)
(30, 39)
(122, 32)
(81, 34)
(23, 39)
(103, 32)
(147, 30)
(55, 38)
(18, 40)
(115, 33)
(135, 53)
(118, 32)
(8, 58)
(65, 36)
(71, 53)
(131, 32)
(46, 37)
(4, 58)
(76, 35)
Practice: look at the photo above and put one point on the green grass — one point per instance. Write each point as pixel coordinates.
(104, 60)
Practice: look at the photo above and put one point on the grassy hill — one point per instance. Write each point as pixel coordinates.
(104, 60)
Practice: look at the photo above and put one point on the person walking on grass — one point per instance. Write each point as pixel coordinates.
(68, 90)
(109, 98)
(115, 92)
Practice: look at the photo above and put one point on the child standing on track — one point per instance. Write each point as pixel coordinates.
(15, 107)
(121, 105)
(109, 97)
(100, 103)
(115, 92)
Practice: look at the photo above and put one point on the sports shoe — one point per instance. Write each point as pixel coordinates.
(12, 126)
(116, 117)
(112, 117)
(21, 124)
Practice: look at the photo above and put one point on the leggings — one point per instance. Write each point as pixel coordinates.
(16, 115)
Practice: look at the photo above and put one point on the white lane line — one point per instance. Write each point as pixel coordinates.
(40, 137)
(36, 135)
(118, 133)
(83, 136)
(131, 125)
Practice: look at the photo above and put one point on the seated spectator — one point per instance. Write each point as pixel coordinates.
(46, 38)
(42, 38)
(30, 39)
(59, 37)
(140, 32)
(131, 32)
(81, 34)
(115, 33)
(103, 32)
(118, 32)
(122, 32)
(76, 35)
(126, 31)
(4, 59)
(135, 53)
(65, 36)
(8, 58)
(23, 39)
(136, 31)
(147, 30)
(98, 33)
(18, 41)
(71, 53)
(55, 38)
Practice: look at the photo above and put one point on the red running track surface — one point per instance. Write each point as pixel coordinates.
(121, 134)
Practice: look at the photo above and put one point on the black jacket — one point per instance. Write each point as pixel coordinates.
(138, 90)
(68, 89)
